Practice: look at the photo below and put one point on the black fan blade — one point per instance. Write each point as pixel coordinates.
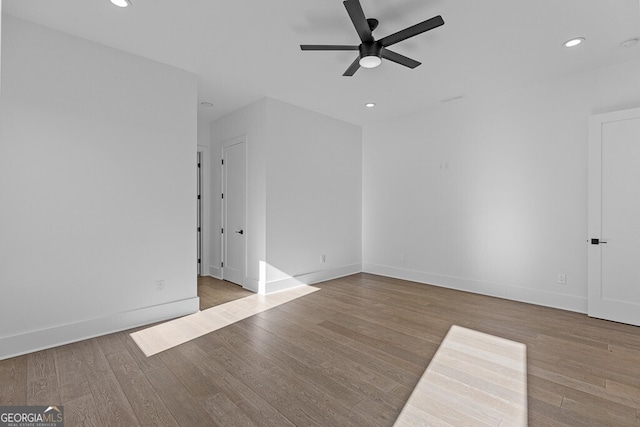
(353, 68)
(420, 28)
(327, 47)
(359, 21)
(399, 59)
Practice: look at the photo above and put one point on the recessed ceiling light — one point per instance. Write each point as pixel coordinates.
(121, 3)
(370, 104)
(206, 104)
(573, 42)
(629, 43)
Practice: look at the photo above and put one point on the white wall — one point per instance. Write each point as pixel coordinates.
(314, 196)
(304, 174)
(204, 134)
(97, 185)
(490, 195)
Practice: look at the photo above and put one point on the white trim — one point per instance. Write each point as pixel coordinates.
(205, 203)
(251, 284)
(42, 339)
(311, 278)
(215, 272)
(594, 212)
(531, 296)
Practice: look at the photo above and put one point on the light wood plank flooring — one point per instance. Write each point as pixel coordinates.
(161, 337)
(349, 354)
(474, 379)
(214, 292)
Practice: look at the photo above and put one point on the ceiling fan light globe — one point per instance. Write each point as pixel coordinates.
(370, 61)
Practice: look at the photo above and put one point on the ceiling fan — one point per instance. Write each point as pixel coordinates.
(371, 50)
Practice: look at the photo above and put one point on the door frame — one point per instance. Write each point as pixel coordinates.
(225, 144)
(199, 227)
(205, 205)
(596, 305)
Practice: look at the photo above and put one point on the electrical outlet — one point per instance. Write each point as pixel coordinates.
(159, 285)
(562, 279)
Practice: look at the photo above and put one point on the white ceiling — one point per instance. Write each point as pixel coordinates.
(243, 50)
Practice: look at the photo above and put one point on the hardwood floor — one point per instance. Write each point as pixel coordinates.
(214, 292)
(349, 354)
(166, 335)
(474, 379)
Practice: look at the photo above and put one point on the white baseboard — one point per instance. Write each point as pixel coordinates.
(252, 285)
(311, 278)
(531, 296)
(215, 272)
(42, 339)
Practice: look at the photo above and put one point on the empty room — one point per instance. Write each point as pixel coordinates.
(320, 213)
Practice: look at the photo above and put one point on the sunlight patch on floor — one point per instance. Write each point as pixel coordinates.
(169, 334)
(473, 379)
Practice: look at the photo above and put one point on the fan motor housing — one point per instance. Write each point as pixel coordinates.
(370, 49)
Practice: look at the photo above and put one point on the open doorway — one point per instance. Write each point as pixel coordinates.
(199, 212)
(212, 292)
(203, 210)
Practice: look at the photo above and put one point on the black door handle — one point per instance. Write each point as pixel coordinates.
(597, 241)
(240, 232)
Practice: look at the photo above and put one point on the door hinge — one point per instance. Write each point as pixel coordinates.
(221, 264)
(222, 196)
(199, 229)
(222, 162)
(198, 164)
(199, 261)
(198, 197)
(222, 231)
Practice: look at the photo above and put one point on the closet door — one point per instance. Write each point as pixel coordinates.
(614, 216)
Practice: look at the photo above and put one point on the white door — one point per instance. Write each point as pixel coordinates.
(233, 211)
(614, 216)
